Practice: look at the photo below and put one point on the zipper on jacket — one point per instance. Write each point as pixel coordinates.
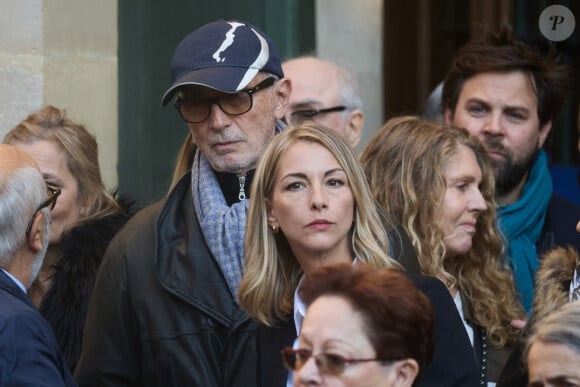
(242, 181)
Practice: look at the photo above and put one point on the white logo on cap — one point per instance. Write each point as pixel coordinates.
(230, 35)
(258, 64)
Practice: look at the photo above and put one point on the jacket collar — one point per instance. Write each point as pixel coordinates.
(184, 263)
(7, 284)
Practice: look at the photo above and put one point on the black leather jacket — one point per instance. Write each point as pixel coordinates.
(161, 312)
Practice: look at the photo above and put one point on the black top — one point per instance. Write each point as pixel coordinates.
(230, 185)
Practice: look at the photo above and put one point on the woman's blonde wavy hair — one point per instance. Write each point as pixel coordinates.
(404, 164)
(272, 272)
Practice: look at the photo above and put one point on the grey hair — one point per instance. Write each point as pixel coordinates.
(349, 89)
(39, 257)
(559, 327)
(21, 192)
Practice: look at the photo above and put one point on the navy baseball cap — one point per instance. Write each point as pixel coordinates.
(224, 55)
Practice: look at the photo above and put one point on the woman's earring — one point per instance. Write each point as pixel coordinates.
(275, 229)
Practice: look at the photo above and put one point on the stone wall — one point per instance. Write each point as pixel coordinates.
(63, 53)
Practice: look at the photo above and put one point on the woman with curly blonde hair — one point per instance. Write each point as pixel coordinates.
(435, 181)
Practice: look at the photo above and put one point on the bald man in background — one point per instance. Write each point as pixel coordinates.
(327, 93)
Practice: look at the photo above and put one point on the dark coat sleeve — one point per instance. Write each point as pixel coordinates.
(270, 340)
(560, 225)
(29, 354)
(111, 350)
(453, 362)
(514, 372)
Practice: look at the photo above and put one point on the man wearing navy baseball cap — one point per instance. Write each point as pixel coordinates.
(164, 309)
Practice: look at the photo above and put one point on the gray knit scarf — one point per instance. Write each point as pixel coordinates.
(223, 226)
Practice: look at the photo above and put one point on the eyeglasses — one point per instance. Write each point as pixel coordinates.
(194, 110)
(299, 116)
(327, 363)
(53, 193)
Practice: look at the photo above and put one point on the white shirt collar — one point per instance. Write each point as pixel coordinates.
(300, 308)
(468, 327)
(16, 281)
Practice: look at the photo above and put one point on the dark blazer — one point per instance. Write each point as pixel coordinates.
(560, 225)
(29, 353)
(453, 361)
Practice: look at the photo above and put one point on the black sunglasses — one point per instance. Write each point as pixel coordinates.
(299, 116)
(194, 110)
(53, 193)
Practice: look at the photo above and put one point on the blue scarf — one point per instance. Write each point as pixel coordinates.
(223, 226)
(522, 222)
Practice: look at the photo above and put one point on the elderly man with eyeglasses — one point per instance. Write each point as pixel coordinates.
(327, 93)
(30, 354)
(164, 309)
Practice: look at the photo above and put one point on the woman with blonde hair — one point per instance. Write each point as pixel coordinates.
(83, 221)
(183, 160)
(310, 206)
(277, 274)
(435, 181)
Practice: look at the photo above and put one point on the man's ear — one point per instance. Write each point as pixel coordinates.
(544, 131)
(448, 115)
(405, 371)
(35, 238)
(283, 90)
(354, 125)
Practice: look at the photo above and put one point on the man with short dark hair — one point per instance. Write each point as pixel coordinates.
(509, 94)
(164, 310)
(29, 352)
